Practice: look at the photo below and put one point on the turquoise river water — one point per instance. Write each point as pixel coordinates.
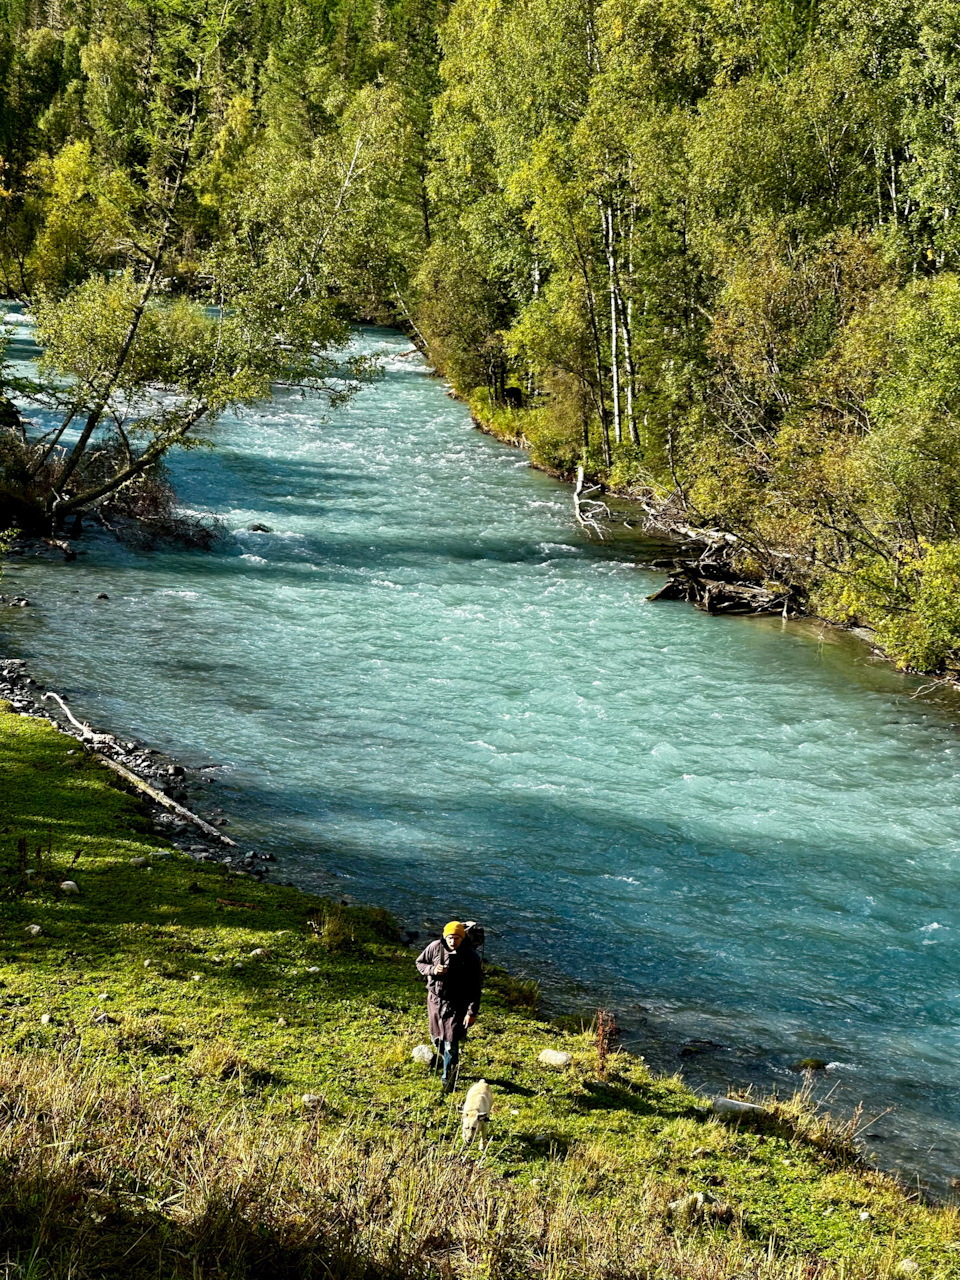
(427, 687)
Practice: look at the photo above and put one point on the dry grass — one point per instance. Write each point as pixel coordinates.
(106, 1182)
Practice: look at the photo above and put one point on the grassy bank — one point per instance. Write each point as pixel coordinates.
(153, 1068)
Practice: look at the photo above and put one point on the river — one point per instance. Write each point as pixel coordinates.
(428, 688)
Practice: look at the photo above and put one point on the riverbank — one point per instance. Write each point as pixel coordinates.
(223, 1067)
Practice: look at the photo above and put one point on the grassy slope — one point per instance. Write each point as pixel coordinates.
(171, 1140)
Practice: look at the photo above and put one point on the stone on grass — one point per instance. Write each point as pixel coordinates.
(45, 1019)
(555, 1058)
(33, 930)
(257, 952)
(734, 1107)
(69, 886)
(688, 1206)
(312, 1101)
(138, 862)
(423, 1053)
(908, 1267)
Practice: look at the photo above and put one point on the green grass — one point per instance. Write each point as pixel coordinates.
(168, 1138)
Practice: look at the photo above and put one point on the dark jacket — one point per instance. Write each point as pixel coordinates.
(453, 996)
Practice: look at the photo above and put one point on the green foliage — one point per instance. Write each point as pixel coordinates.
(707, 251)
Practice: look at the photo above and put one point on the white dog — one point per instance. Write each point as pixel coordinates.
(476, 1111)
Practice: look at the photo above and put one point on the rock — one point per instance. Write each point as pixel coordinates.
(908, 1267)
(138, 862)
(69, 886)
(314, 969)
(810, 1064)
(258, 952)
(164, 1079)
(102, 595)
(281, 1022)
(687, 1206)
(45, 1019)
(733, 1107)
(691, 1048)
(554, 1058)
(103, 996)
(260, 528)
(312, 1101)
(423, 1053)
(865, 1216)
(102, 1019)
(33, 930)
(699, 1205)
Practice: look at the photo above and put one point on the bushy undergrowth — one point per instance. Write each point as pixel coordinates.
(153, 1119)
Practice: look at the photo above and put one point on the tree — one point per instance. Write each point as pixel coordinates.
(131, 368)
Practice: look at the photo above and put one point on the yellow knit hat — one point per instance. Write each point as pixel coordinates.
(454, 930)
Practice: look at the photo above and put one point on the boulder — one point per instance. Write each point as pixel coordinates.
(554, 1058)
(423, 1053)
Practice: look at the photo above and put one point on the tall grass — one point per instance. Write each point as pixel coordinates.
(101, 1182)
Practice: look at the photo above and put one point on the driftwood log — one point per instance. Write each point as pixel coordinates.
(713, 594)
(136, 781)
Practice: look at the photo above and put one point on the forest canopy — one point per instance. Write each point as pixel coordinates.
(708, 251)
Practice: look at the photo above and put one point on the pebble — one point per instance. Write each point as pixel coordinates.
(554, 1058)
(45, 1019)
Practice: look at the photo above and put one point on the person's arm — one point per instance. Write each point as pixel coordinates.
(427, 959)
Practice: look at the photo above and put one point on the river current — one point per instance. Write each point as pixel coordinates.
(428, 688)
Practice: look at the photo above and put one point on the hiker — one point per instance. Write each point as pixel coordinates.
(454, 978)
